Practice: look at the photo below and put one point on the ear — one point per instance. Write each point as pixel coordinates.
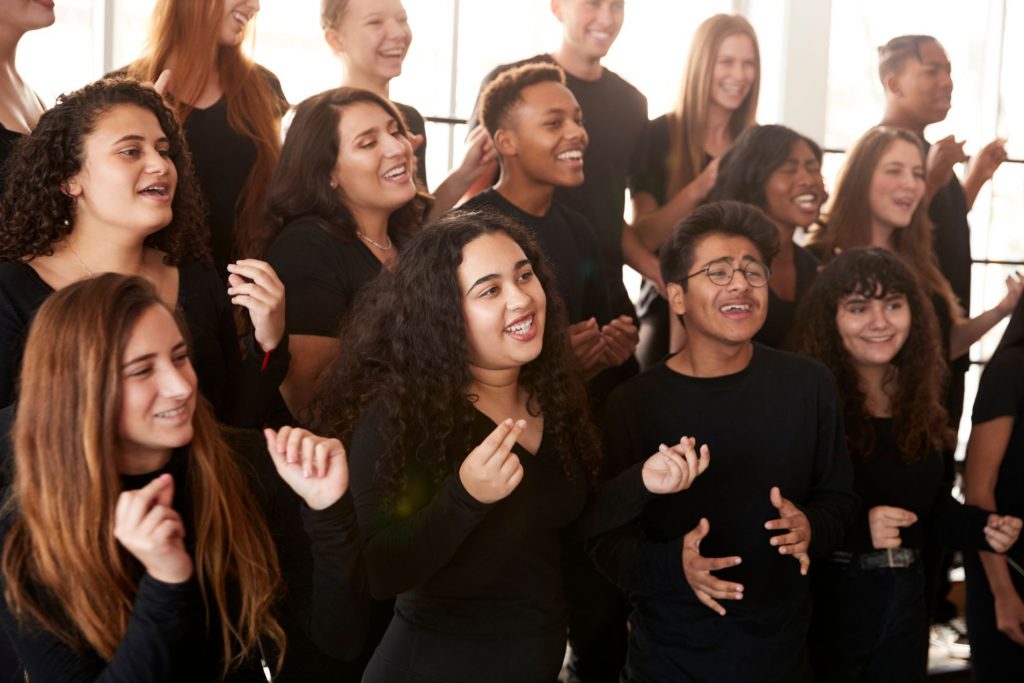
(333, 40)
(676, 297)
(556, 9)
(71, 187)
(506, 143)
(892, 84)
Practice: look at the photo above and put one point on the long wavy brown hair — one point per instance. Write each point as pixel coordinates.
(63, 569)
(920, 373)
(849, 220)
(184, 36)
(689, 120)
(405, 349)
(32, 222)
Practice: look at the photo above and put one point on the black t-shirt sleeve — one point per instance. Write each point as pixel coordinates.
(281, 105)
(651, 176)
(955, 525)
(161, 620)
(317, 298)
(1001, 389)
(403, 550)
(417, 126)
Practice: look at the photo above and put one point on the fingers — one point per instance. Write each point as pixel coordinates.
(416, 141)
(805, 562)
(710, 602)
(163, 81)
(1000, 541)
(499, 442)
(775, 495)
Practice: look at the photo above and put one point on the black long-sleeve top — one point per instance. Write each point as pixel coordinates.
(243, 393)
(323, 609)
(775, 423)
(887, 478)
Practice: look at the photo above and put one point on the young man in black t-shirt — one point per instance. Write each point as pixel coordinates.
(778, 490)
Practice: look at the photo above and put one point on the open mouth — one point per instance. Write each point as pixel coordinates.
(392, 53)
(398, 173)
(808, 201)
(735, 309)
(522, 329)
(158, 191)
(574, 155)
(906, 204)
(173, 414)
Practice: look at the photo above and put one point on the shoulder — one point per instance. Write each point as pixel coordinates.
(274, 83)
(580, 226)
(21, 288)
(623, 87)
(482, 201)
(411, 114)
(303, 232)
(792, 369)
(640, 389)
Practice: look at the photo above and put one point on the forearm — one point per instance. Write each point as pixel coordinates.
(965, 333)
(638, 257)
(655, 227)
(448, 194)
(997, 571)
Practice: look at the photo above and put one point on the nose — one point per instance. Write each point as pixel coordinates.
(254, 5)
(517, 298)
(739, 282)
(176, 382)
(877, 319)
(158, 163)
(396, 145)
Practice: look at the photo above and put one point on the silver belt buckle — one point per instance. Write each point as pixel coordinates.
(899, 558)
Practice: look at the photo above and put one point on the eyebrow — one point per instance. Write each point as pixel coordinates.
(135, 138)
(495, 276)
(150, 356)
(747, 258)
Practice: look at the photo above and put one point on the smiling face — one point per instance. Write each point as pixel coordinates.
(924, 87)
(722, 314)
(734, 73)
(545, 135)
(503, 304)
(873, 330)
(158, 393)
(26, 15)
(897, 185)
(237, 15)
(127, 179)
(589, 27)
(374, 164)
(372, 37)
(795, 191)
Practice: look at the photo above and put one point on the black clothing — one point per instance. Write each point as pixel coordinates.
(871, 625)
(781, 313)
(8, 139)
(994, 657)
(416, 125)
(569, 244)
(167, 638)
(653, 178)
(223, 159)
(467, 575)
(615, 116)
(242, 395)
(322, 272)
(775, 423)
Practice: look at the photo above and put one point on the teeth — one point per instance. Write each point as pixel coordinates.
(395, 172)
(806, 201)
(571, 155)
(734, 308)
(162, 191)
(240, 18)
(521, 327)
(172, 413)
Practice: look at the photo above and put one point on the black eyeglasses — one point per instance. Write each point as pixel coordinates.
(721, 273)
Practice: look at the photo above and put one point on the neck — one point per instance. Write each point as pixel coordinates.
(9, 39)
(499, 387)
(873, 381)
(573, 63)
(96, 252)
(898, 118)
(711, 358)
(373, 225)
(786, 246)
(145, 462)
(529, 196)
(717, 134)
(881, 235)
(353, 78)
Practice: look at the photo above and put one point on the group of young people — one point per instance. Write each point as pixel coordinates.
(461, 464)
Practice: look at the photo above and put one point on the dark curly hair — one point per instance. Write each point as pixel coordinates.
(32, 221)
(919, 419)
(301, 187)
(753, 157)
(405, 349)
(502, 94)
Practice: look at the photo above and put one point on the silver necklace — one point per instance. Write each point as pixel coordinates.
(79, 259)
(383, 247)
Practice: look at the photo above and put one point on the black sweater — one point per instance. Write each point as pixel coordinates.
(775, 423)
(168, 639)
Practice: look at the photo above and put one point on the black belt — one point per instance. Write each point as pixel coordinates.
(892, 558)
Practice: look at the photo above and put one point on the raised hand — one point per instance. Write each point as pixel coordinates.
(985, 163)
(791, 518)
(479, 157)
(163, 82)
(255, 285)
(315, 467)
(1002, 531)
(885, 523)
(671, 470)
(942, 155)
(492, 471)
(1014, 285)
(620, 338)
(588, 346)
(697, 570)
(152, 531)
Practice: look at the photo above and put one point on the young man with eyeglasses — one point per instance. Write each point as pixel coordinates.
(716, 575)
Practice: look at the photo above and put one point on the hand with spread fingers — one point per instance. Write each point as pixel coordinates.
(147, 525)
(792, 519)
(942, 156)
(885, 522)
(673, 469)
(697, 570)
(254, 285)
(492, 471)
(315, 467)
(1002, 532)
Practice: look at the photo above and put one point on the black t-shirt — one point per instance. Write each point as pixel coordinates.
(781, 313)
(241, 393)
(886, 478)
(468, 570)
(168, 637)
(1001, 394)
(416, 125)
(223, 159)
(653, 178)
(322, 273)
(569, 244)
(775, 423)
(615, 116)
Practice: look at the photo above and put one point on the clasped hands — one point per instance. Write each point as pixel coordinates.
(598, 347)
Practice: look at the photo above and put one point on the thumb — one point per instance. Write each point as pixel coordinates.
(776, 498)
(165, 496)
(700, 531)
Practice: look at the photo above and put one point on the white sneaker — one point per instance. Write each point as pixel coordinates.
(952, 638)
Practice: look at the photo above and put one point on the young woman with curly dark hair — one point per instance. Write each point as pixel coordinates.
(112, 190)
(141, 541)
(472, 453)
(867, 318)
(779, 171)
(342, 203)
